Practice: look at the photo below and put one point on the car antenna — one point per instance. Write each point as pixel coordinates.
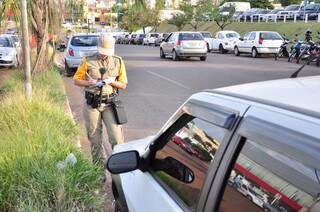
(296, 73)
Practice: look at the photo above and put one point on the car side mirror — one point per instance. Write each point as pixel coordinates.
(241, 39)
(123, 162)
(175, 169)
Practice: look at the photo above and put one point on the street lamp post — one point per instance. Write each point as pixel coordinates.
(118, 13)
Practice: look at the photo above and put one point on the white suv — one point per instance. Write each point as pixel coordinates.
(259, 42)
(264, 133)
(150, 39)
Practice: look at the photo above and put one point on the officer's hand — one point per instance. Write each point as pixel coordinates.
(92, 82)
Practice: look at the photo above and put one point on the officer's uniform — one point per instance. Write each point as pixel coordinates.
(89, 69)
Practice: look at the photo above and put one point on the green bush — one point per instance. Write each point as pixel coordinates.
(35, 136)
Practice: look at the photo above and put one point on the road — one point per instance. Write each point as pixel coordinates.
(157, 87)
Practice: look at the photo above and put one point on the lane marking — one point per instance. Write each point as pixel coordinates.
(169, 80)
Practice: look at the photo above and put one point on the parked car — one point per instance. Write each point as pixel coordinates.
(126, 39)
(259, 42)
(139, 39)
(161, 38)
(259, 14)
(290, 11)
(132, 38)
(272, 15)
(225, 41)
(184, 44)
(150, 39)
(209, 39)
(248, 14)
(79, 46)
(251, 195)
(9, 55)
(312, 10)
(263, 131)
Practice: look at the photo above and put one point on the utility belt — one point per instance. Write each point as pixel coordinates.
(95, 101)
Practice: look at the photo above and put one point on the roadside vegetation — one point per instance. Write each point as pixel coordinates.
(35, 136)
(289, 28)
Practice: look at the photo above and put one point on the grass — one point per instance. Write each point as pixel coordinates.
(289, 28)
(35, 136)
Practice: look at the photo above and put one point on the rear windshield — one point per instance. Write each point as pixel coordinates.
(232, 35)
(190, 36)
(84, 41)
(141, 35)
(270, 36)
(206, 35)
(154, 35)
(4, 42)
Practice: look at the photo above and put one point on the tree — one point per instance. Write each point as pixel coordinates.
(179, 20)
(288, 2)
(222, 20)
(261, 4)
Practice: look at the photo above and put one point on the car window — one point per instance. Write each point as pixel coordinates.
(206, 35)
(190, 36)
(154, 35)
(246, 36)
(4, 42)
(270, 36)
(220, 36)
(173, 37)
(263, 179)
(84, 41)
(182, 164)
(252, 36)
(232, 35)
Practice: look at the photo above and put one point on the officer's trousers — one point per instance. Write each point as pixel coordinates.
(94, 119)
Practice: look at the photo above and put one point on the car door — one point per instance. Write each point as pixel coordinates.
(183, 159)
(277, 154)
(242, 45)
(251, 42)
(215, 42)
(166, 44)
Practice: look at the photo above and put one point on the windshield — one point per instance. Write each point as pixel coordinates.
(270, 36)
(206, 34)
(232, 35)
(4, 42)
(292, 7)
(274, 11)
(190, 36)
(84, 41)
(311, 7)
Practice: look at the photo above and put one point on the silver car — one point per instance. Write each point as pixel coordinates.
(184, 44)
(8, 52)
(79, 46)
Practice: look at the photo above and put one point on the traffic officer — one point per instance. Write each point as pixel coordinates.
(90, 77)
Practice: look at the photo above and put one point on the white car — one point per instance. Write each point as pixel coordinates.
(150, 39)
(225, 41)
(209, 39)
(8, 52)
(260, 131)
(251, 195)
(259, 42)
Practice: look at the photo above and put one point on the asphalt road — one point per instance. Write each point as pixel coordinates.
(157, 87)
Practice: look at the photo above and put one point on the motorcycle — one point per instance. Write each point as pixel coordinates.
(283, 51)
(295, 50)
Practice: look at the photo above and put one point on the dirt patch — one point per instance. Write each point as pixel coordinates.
(4, 74)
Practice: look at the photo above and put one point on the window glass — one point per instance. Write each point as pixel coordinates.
(206, 34)
(232, 35)
(266, 180)
(220, 36)
(84, 41)
(172, 37)
(270, 36)
(252, 36)
(4, 42)
(246, 36)
(190, 36)
(182, 164)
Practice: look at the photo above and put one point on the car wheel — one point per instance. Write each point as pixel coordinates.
(249, 198)
(236, 51)
(175, 57)
(203, 58)
(68, 69)
(221, 49)
(117, 207)
(162, 55)
(254, 52)
(208, 48)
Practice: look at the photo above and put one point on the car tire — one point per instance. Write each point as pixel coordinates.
(221, 49)
(208, 48)
(203, 58)
(249, 198)
(162, 55)
(117, 207)
(68, 69)
(236, 51)
(175, 57)
(254, 53)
